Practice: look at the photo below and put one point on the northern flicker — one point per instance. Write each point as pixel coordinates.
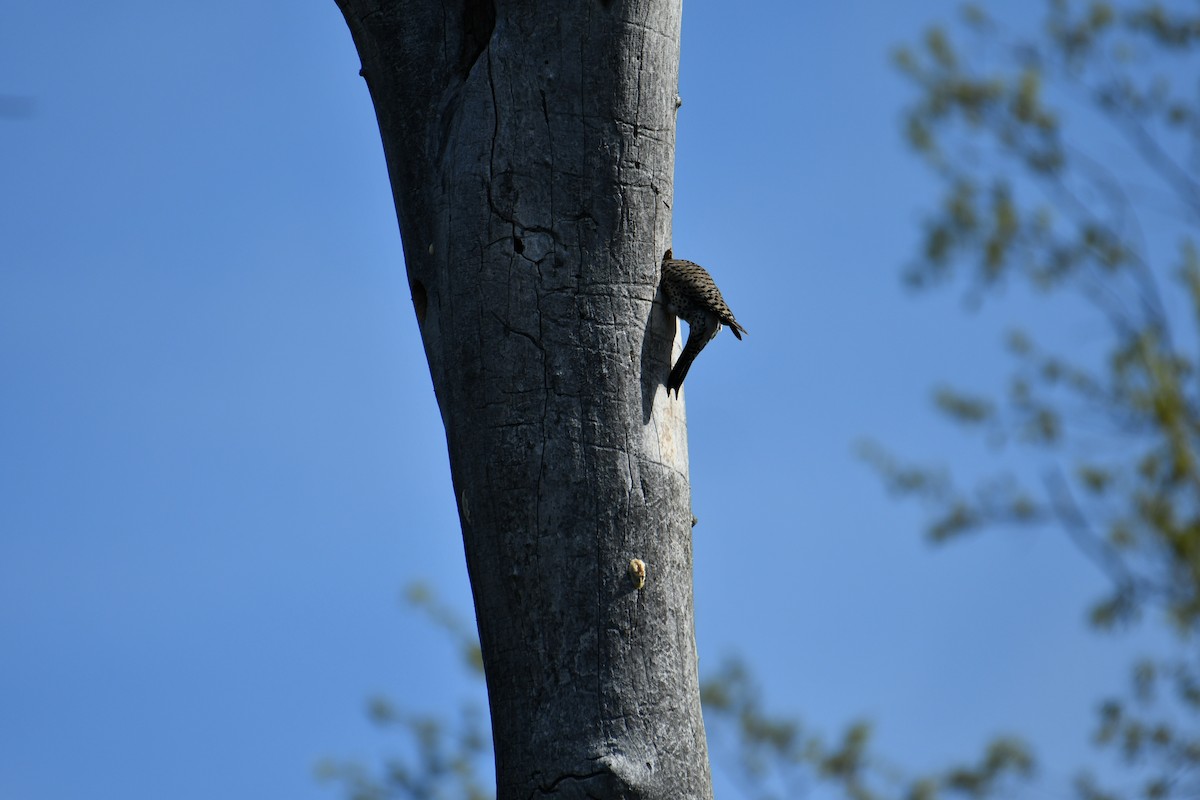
(692, 295)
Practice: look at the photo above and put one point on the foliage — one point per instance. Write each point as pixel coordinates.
(1068, 166)
(447, 759)
(774, 757)
(768, 757)
(444, 766)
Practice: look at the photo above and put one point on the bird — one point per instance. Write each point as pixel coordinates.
(692, 295)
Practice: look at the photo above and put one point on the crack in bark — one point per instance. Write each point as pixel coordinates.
(582, 778)
(510, 329)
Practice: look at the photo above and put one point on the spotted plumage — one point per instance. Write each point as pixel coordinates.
(691, 294)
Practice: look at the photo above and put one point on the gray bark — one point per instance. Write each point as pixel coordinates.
(531, 153)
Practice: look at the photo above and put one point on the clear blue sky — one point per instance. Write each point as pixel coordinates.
(220, 456)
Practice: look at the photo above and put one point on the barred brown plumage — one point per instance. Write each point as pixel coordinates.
(692, 295)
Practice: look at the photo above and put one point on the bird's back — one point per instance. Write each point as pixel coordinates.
(689, 288)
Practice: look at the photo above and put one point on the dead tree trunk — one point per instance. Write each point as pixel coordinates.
(531, 153)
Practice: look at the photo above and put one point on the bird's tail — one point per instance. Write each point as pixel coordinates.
(695, 343)
(678, 373)
(737, 329)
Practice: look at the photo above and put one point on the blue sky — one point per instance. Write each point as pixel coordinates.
(221, 459)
